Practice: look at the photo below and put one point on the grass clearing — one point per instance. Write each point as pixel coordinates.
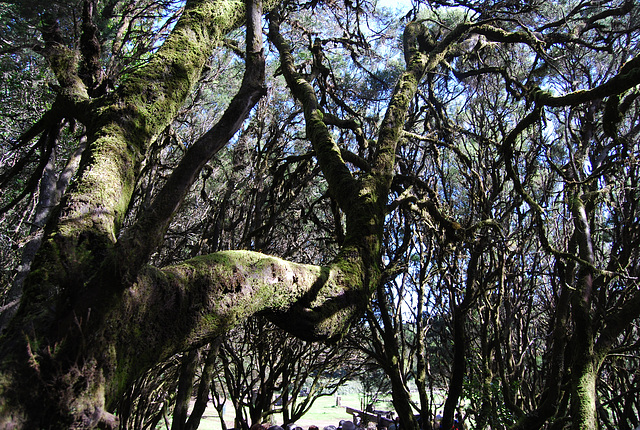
(324, 412)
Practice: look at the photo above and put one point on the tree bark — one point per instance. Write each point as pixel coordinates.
(202, 396)
(556, 372)
(185, 388)
(387, 349)
(458, 368)
(460, 315)
(52, 188)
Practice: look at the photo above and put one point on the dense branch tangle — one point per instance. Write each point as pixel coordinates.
(120, 316)
(95, 315)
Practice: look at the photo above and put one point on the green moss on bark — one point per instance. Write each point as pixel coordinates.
(146, 102)
(583, 404)
(180, 307)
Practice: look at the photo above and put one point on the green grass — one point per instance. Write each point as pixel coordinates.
(323, 413)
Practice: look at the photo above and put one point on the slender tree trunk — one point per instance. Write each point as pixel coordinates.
(401, 398)
(202, 396)
(460, 314)
(421, 360)
(388, 349)
(487, 399)
(458, 370)
(286, 415)
(586, 365)
(52, 187)
(551, 399)
(185, 388)
(583, 403)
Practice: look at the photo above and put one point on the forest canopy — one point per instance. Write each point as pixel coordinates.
(451, 190)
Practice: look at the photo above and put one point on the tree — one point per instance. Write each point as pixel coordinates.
(87, 334)
(270, 376)
(100, 307)
(517, 304)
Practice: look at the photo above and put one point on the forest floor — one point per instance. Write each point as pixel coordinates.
(323, 413)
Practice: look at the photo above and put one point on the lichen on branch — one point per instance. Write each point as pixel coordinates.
(185, 305)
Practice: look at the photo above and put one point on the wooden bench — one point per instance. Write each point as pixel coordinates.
(379, 417)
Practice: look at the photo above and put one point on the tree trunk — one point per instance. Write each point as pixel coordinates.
(387, 349)
(421, 359)
(94, 316)
(555, 369)
(77, 313)
(586, 360)
(460, 315)
(286, 416)
(185, 388)
(401, 398)
(583, 402)
(50, 193)
(458, 369)
(202, 396)
(586, 365)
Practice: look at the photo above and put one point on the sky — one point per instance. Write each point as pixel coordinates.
(402, 5)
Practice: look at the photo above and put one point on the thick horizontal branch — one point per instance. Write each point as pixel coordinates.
(499, 35)
(183, 306)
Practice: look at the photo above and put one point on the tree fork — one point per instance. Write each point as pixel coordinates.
(48, 342)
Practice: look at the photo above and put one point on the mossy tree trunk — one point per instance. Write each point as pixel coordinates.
(62, 360)
(94, 316)
(587, 359)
